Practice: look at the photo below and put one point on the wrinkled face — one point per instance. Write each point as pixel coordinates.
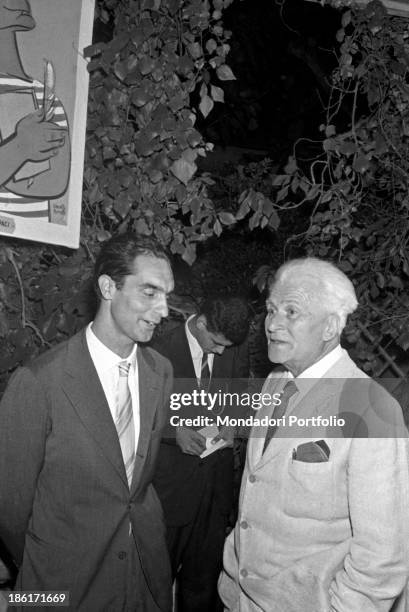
(16, 15)
(296, 324)
(140, 304)
(211, 342)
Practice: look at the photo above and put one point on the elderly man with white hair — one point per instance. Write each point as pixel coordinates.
(323, 522)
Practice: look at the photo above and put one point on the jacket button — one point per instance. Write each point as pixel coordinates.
(252, 478)
(244, 524)
(122, 555)
(244, 573)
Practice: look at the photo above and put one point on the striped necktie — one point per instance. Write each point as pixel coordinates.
(290, 388)
(124, 420)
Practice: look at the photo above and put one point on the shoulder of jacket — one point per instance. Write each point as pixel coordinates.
(155, 359)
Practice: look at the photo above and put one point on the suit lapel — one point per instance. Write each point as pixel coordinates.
(315, 402)
(84, 391)
(149, 393)
(256, 441)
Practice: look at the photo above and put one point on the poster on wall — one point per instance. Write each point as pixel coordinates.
(43, 111)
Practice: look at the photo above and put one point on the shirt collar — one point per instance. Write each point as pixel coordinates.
(307, 379)
(319, 368)
(102, 356)
(195, 348)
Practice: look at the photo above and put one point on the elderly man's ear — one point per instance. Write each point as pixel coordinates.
(332, 328)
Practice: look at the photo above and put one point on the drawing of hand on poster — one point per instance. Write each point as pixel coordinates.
(43, 98)
(35, 148)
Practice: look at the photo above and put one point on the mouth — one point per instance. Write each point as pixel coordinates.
(277, 341)
(151, 324)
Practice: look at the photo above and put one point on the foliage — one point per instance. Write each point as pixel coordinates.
(143, 145)
(163, 66)
(356, 190)
(142, 154)
(43, 300)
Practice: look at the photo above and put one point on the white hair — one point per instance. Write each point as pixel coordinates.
(336, 292)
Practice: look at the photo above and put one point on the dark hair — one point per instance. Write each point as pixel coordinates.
(227, 315)
(117, 256)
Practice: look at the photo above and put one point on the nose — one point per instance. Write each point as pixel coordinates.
(162, 307)
(273, 321)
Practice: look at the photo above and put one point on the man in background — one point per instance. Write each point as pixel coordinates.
(80, 428)
(196, 493)
(323, 517)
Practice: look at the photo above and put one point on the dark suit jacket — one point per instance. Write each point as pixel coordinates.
(179, 477)
(65, 505)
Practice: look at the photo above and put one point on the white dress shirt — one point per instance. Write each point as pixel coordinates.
(196, 352)
(106, 364)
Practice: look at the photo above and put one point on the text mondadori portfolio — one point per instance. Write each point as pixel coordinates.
(254, 421)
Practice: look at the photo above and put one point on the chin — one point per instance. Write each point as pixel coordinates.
(276, 356)
(144, 337)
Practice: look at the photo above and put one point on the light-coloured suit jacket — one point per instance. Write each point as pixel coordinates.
(330, 536)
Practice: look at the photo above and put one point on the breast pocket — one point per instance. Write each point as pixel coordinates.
(309, 490)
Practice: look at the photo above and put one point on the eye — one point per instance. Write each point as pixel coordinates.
(291, 312)
(149, 292)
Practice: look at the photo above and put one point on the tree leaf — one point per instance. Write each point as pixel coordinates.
(225, 73)
(206, 105)
(217, 228)
(211, 45)
(227, 218)
(146, 65)
(243, 210)
(183, 170)
(217, 93)
(347, 147)
(274, 220)
(361, 163)
(195, 50)
(189, 254)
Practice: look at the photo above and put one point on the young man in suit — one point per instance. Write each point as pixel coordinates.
(322, 522)
(197, 494)
(79, 434)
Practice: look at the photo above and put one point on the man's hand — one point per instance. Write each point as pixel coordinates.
(190, 441)
(227, 433)
(38, 140)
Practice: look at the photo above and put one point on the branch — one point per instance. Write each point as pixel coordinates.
(90, 254)
(353, 115)
(25, 323)
(10, 256)
(37, 332)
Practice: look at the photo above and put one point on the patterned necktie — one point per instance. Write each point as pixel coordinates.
(124, 420)
(290, 388)
(205, 371)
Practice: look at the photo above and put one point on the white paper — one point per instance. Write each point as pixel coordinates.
(209, 433)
